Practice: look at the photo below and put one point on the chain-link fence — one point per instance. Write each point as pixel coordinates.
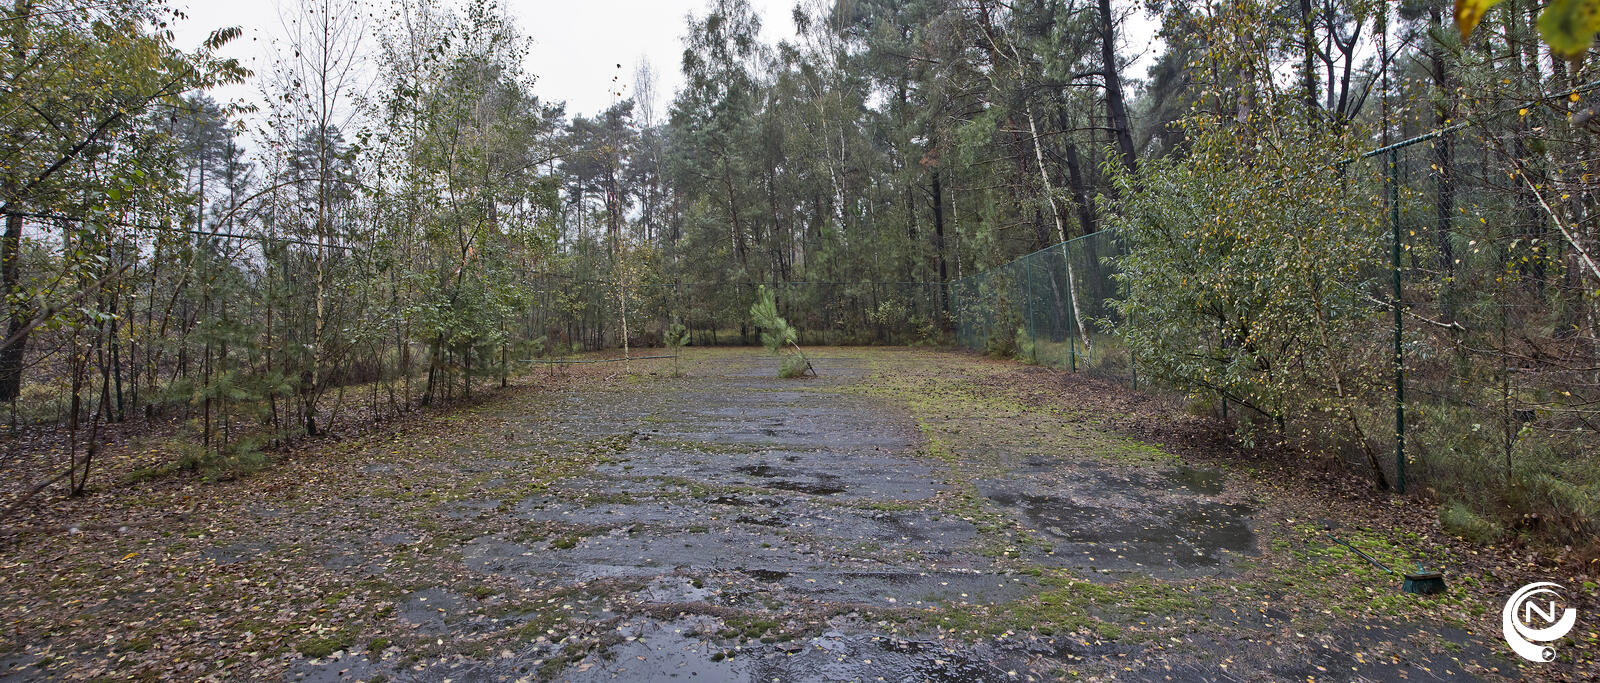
(1467, 352)
(587, 313)
(1497, 335)
(1468, 348)
(1049, 307)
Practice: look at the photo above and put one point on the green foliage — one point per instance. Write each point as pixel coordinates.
(776, 334)
(1457, 519)
(185, 452)
(1000, 344)
(676, 338)
(1568, 26)
(1025, 345)
(318, 647)
(1254, 285)
(1005, 331)
(791, 365)
(775, 331)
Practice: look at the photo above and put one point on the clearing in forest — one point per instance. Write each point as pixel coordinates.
(908, 515)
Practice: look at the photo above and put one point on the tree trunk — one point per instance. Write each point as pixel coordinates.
(1116, 109)
(1061, 229)
(938, 238)
(18, 313)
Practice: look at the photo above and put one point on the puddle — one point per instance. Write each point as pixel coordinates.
(737, 501)
(346, 667)
(430, 609)
(17, 667)
(760, 470)
(1199, 480)
(685, 649)
(400, 538)
(669, 589)
(652, 553)
(351, 560)
(658, 651)
(868, 657)
(818, 488)
(1124, 535)
(768, 575)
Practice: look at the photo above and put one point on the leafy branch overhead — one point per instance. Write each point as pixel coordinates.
(1568, 26)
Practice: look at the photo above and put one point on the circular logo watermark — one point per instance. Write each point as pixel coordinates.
(1533, 615)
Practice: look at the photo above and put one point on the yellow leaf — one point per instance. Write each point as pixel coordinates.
(1469, 12)
(1568, 26)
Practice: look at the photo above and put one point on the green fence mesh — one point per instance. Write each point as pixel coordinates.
(1484, 374)
(1049, 307)
(586, 313)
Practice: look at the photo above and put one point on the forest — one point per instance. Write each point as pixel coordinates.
(1299, 217)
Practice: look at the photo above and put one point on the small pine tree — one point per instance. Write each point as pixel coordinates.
(777, 333)
(676, 338)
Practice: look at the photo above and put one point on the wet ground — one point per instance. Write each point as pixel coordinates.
(731, 526)
(737, 491)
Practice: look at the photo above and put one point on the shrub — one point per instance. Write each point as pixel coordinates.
(1532, 481)
(1257, 285)
(1025, 347)
(1000, 344)
(1002, 341)
(219, 463)
(1459, 520)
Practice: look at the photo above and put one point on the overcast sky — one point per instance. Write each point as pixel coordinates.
(577, 44)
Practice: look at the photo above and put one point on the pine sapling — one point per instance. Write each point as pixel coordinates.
(676, 338)
(776, 333)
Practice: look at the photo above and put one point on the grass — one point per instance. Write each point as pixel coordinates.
(317, 648)
(1460, 520)
(1106, 354)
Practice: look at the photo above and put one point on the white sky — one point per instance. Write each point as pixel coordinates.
(577, 44)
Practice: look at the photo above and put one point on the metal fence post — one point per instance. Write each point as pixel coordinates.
(1027, 279)
(1399, 359)
(1072, 310)
(1072, 341)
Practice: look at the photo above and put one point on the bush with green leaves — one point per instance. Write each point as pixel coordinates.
(1005, 332)
(1259, 287)
(776, 333)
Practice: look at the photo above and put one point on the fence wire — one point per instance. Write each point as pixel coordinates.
(1050, 307)
(1481, 335)
(587, 314)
